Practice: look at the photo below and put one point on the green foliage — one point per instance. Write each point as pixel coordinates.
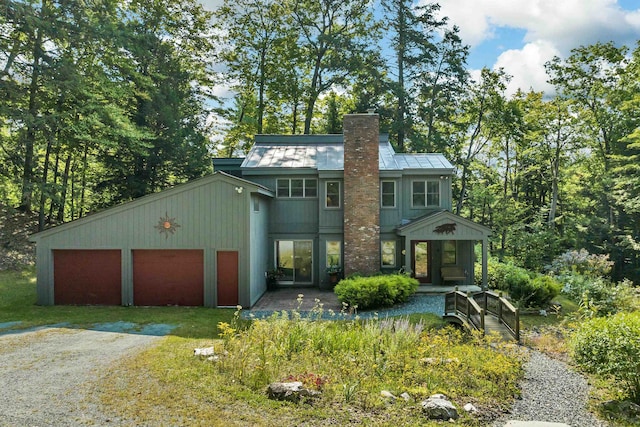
(524, 287)
(610, 347)
(536, 292)
(583, 263)
(375, 291)
(502, 276)
(354, 360)
(598, 296)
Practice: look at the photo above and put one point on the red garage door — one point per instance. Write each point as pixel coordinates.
(168, 277)
(87, 277)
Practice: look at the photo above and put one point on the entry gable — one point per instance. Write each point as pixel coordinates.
(444, 225)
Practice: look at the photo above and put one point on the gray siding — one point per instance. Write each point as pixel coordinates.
(211, 214)
(259, 249)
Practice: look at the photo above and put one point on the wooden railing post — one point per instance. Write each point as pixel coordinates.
(517, 331)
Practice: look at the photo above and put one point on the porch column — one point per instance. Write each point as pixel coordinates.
(485, 258)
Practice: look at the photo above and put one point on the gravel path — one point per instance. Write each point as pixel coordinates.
(45, 375)
(551, 392)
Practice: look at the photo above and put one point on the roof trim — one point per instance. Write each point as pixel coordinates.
(439, 216)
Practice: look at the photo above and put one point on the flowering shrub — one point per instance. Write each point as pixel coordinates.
(581, 262)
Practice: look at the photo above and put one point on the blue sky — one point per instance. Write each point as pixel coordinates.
(521, 35)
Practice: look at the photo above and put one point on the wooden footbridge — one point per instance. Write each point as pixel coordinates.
(484, 311)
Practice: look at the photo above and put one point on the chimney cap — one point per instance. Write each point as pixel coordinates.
(371, 110)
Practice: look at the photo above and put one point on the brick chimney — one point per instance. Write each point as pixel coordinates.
(361, 194)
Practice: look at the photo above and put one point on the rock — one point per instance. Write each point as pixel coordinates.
(437, 407)
(206, 351)
(388, 395)
(290, 391)
(470, 408)
(406, 396)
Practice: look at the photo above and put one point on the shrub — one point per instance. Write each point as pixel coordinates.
(610, 347)
(597, 296)
(502, 276)
(375, 291)
(537, 292)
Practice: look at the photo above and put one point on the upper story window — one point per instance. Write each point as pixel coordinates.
(297, 187)
(425, 193)
(388, 194)
(333, 194)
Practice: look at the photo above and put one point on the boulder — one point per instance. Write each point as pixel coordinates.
(437, 407)
(206, 351)
(290, 391)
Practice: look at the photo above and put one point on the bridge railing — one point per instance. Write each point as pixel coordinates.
(460, 304)
(500, 307)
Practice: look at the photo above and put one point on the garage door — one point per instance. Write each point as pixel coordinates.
(87, 277)
(168, 277)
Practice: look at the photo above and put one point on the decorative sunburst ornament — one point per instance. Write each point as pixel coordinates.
(167, 225)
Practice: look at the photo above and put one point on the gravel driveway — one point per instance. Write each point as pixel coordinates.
(45, 375)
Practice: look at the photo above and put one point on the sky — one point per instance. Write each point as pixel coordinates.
(521, 35)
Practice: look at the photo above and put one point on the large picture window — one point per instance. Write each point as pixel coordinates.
(388, 194)
(333, 194)
(297, 188)
(425, 193)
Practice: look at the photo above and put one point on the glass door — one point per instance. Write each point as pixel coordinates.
(421, 260)
(295, 261)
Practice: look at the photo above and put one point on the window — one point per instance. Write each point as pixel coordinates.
(449, 252)
(333, 194)
(425, 193)
(334, 254)
(388, 194)
(388, 255)
(297, 187)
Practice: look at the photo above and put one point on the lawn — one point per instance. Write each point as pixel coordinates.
(18, 304)
(350, 361)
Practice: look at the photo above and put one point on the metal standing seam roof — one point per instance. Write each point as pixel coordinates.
(326, 156)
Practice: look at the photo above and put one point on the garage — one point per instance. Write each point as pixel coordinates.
(87, 277)
(168, 277)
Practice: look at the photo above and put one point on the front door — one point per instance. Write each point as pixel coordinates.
(421, 260)
(295, 261)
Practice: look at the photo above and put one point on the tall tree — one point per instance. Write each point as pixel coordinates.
(478, 122)
(335, 39)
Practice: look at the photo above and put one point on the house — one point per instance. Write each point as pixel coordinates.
(297, 203)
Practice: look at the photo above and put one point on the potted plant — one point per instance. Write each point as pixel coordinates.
(272, 278)
(334, 271)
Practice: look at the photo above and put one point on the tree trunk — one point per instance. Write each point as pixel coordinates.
(29, 140)
(63, 192)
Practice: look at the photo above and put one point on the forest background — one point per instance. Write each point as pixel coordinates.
(104, 101)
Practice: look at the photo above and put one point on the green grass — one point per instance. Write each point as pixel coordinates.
(18, 304)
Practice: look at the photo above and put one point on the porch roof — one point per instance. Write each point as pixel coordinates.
(443, 225)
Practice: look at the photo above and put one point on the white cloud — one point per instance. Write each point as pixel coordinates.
(551, 27)
(568, 23)
(526, 66)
